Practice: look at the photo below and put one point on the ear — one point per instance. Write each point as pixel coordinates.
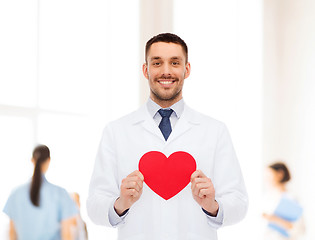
(187, 72)
(145, 70)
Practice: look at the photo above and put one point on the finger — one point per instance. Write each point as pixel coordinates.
(195, 189)
(132, 185)
(204, 192)
(137, 194)
(130, 179)
(132, 192)
(193, 186)
(203, 185)
(198, 180)
(197, 173)
(134, 179)
(132, 182)
(136, 173)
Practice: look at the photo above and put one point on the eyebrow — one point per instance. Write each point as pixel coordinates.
(172, 58)
(155, 58)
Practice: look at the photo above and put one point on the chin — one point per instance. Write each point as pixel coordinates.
(166, 96)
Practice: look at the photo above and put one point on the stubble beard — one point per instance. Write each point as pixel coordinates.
(161, 98)
(166, 97)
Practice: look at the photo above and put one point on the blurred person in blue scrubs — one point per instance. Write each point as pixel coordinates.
(78, 229)
(39, 210)
(283, 213)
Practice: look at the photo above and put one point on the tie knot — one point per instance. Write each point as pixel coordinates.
(165, 112)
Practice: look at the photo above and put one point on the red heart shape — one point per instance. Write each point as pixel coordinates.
(167, 176)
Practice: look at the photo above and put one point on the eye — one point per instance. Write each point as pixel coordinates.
(175, 63)
(156, 64)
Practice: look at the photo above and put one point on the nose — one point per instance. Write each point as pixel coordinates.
(166, 71)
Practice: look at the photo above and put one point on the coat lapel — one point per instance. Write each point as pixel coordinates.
(186, 122)
(143, 117)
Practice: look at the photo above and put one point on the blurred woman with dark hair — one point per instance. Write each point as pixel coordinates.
(285, 219)
(39, 209)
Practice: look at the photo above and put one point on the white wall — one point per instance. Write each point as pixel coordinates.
(289, 101)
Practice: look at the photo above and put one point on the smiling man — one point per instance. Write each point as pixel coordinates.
(119, 196)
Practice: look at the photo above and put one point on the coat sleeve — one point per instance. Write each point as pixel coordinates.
(228, 180)
(104, 186)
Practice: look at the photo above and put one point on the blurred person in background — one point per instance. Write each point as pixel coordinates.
(39, 210)
(283, 213)
(78, 228)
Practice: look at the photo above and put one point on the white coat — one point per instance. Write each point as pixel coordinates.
(125, 141)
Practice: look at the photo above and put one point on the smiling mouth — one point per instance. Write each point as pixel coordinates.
(166, 82)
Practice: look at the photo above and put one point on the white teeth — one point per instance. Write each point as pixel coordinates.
(166, 82)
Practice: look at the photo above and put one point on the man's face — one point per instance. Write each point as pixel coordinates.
(166, 69)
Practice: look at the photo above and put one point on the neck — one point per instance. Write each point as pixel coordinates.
(165, 103)
(281, 187)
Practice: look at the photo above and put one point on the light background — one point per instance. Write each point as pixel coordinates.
(68, 67)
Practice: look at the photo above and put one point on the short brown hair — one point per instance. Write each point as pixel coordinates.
(167, 38)
(281, 167)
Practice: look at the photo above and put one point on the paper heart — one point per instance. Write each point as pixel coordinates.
(167, 176)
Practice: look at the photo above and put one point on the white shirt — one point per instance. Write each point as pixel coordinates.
(177, 108)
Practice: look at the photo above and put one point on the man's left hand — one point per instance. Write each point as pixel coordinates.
(203, 192)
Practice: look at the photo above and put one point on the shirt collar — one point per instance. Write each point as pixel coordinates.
(44, 178)
(177, 107)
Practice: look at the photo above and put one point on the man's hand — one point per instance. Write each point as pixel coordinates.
(130, 191)
(203, 192)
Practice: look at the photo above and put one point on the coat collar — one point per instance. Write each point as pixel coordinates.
(188, 120)
(153, 108)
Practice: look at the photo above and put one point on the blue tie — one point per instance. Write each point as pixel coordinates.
(165, 124)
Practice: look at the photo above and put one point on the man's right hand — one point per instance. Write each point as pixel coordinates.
(130, 192)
